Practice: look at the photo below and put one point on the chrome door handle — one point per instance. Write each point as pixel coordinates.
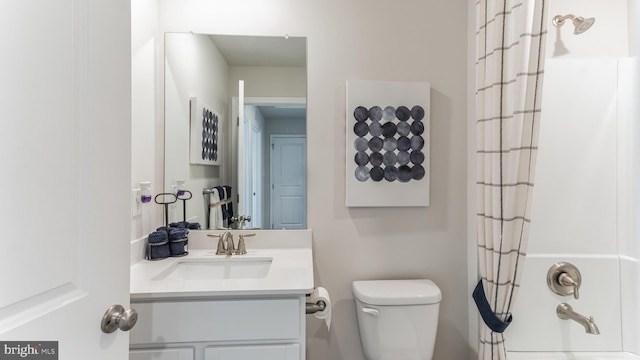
(116, 317)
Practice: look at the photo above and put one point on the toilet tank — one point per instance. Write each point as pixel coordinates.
(398, 319)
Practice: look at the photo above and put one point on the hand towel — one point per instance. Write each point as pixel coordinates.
(158, 245)
(177, 241)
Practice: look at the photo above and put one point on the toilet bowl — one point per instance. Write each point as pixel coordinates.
(398, 319)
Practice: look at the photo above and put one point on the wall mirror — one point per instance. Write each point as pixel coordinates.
(251, 135)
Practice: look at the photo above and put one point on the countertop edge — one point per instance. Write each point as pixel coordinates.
(199, 295)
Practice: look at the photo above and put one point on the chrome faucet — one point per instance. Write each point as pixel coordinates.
(565, 312)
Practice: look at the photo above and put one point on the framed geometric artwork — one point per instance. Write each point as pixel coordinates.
(387, 143)
(207, 131)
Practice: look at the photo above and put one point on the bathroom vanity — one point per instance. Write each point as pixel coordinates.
(222, 307)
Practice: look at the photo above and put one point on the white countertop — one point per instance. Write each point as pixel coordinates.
(291, 270)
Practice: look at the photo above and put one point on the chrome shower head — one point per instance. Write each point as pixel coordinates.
(581, 24)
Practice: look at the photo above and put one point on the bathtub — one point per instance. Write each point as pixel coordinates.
(572, 356)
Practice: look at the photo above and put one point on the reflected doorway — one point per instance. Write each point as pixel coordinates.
(273, 177)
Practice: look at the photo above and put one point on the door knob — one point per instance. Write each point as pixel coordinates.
(116, 317)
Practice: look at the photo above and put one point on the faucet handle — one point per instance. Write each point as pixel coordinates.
(566, 280)
(242, 249)
(220, 249)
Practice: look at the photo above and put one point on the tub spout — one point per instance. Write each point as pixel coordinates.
(565, 312)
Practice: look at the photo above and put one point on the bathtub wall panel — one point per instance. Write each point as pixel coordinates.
(536, 327)
(629, 200)
(575, 211)
(574, 200)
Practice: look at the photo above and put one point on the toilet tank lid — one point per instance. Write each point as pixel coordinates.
(397, 292)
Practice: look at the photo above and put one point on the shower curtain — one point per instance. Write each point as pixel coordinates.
(510, 42)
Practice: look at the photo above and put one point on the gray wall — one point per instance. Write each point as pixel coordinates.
(410, 40)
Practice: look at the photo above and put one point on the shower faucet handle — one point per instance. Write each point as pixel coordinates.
(564, 279)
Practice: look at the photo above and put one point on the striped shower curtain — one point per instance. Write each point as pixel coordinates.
(510, 42)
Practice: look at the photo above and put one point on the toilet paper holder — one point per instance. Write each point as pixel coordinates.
(312, 308)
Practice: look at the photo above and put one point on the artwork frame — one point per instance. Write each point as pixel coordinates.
(387, 143)
(207, 134)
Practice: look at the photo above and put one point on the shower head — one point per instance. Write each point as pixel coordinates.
(581, 24)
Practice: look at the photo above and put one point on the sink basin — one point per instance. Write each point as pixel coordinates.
(217, 269)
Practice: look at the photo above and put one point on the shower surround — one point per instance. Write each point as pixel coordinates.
(584, 203)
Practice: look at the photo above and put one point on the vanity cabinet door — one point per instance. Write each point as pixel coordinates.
(162, 354)
(262, 352)
(186, 321)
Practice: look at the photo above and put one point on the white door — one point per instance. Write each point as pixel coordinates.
(247, 174)
(237, 144)
(252, 174)
(65, 109)
(288, 182)
(258, 176)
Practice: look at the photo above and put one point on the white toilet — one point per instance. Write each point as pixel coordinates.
(398, 319)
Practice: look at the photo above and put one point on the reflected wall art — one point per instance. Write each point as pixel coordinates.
(206, 134)
(387, 146)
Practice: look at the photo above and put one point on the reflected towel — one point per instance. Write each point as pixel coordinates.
(215, 212)
(229, 205)
(185, 225)
(177, 234)
(223, 207)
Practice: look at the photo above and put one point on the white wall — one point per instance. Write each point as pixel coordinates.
(608, 37)
(147, 100)
(269, 81)
(193, 68)
(370, 40)
(629, 200)
(634, 27)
